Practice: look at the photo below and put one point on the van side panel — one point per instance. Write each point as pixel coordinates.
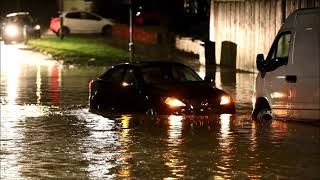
(304, 98)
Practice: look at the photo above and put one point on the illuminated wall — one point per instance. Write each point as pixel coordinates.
(77, 5)
(249, 27)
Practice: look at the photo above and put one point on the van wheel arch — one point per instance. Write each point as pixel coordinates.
(261, 104)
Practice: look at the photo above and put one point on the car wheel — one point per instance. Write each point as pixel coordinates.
(107, 30)
(94, 103)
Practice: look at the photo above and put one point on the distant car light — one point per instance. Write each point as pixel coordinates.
(37, 27)
(125, 84)
(224, 100)
(173, 102)
(11, 30)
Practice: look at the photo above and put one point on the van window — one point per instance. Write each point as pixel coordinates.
(281, 49)
(279, 53)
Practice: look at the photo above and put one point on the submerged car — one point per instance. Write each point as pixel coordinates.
(156, 88)
(19, 27)
(80, 22)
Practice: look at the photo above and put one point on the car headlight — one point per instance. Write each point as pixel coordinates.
(37, 27)
(173, 102)
(224, 100)
(11, 30)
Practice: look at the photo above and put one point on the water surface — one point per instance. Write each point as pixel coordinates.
(47, 132)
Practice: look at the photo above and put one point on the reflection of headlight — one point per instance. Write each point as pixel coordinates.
(11, 30)
(173, 102)
(37, 27)
(225, 100)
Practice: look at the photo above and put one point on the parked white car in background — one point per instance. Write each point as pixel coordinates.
(79, 22)
(288, 83)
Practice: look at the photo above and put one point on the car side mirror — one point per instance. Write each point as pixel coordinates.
(261, 64)
(210, 80)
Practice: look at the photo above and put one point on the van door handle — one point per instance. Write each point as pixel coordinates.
(291, 78)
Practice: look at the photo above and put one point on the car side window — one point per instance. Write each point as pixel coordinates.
(130, 77)
(181, 73)
(153, 75)
(73, 15)
(89, 16)
(114, 75)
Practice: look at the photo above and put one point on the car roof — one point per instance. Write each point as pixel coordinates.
(79, 11)
(151, 63)
(17, 14)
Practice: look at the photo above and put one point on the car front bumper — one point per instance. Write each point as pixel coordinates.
(190, 110)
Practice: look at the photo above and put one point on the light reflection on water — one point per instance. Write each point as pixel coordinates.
(47, 132)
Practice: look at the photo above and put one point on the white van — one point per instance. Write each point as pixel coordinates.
(288, 83)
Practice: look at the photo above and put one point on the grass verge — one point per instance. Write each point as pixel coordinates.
(80, 50)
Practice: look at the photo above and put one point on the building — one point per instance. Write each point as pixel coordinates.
(76, 5)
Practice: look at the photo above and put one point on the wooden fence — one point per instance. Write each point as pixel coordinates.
(249, 27)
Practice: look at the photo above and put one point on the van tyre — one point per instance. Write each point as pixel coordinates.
(264, 115)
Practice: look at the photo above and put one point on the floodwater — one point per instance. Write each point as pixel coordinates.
(47, 132)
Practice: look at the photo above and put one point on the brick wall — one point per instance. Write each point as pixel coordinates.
(139, 34)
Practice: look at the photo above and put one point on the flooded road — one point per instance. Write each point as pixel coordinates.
(47, 132)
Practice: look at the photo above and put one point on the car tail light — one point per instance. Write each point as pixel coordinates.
(90, 84)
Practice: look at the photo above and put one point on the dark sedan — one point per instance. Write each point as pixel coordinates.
(156, 88)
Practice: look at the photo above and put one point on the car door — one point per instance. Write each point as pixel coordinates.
(91, 23)
(73, 21)
(132, 97)
(277, 88)
(305, 101)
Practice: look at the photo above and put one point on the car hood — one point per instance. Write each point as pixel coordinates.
(185, 90)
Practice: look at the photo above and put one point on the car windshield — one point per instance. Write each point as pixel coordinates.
(159, 74)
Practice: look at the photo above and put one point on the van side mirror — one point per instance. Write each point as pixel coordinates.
(261, 65)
